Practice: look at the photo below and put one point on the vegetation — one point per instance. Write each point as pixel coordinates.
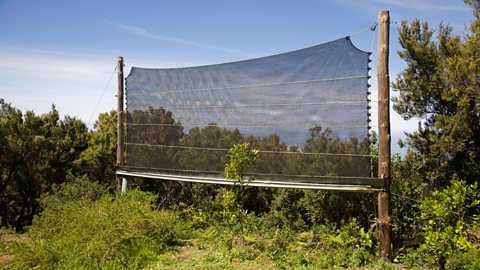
(101, 231)
(36, 152)
(85, 227)
(58, 209)
(441, 86)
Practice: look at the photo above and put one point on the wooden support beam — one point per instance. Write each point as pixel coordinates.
(384, 138)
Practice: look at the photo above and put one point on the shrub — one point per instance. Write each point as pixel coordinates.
(77, 189)
(451, 219)
(113, 232)
(469, 260)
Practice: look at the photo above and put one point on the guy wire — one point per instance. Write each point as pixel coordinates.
(101, 97)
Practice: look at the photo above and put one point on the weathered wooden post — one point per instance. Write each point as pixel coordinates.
(384, 211)
(120, 122)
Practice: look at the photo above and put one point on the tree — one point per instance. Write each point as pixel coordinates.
(36, 152)
(149, 134)
(323, 141)
(441, 87)
(98, 160)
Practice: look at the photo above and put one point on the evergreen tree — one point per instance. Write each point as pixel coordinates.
(98, 160)
(36, 152)
(441, 87)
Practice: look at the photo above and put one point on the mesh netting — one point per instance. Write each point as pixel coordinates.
(306, 111)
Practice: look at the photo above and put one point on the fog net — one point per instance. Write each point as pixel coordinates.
(306, 111)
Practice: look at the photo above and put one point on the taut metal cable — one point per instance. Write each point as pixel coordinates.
(101, 96)
(247, 86)
(239, 125)
(359, 102)
(371, 28)
(260, 151)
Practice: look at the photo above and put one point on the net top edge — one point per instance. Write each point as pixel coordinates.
(346, 39)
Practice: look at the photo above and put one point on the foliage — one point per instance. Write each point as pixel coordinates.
(242, 158)
(469, 260)
(321, 247)
(166, 131)
(74, 190)
(200, 149)
(98, 160)
(35, 153)
(408, 188)
(323, 206)
(440, 86)
(451, 216)
(226, 211)
(111, 232)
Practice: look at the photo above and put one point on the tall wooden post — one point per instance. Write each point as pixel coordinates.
(384, 211)
(120, 121)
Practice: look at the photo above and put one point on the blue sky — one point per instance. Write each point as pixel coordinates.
(64, 52)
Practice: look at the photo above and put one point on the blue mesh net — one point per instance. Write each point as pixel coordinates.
(307, 111)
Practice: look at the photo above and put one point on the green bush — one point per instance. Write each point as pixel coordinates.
(451, 217)
(241, 159)
(409, 188)
(112, 232)
(469, 260)
(77, 189)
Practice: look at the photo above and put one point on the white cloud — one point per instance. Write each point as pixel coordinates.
(144, 33)
(432, 11)
(424, 5)
(409, 5)
(34, 79)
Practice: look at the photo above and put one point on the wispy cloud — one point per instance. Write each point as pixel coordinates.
(145, 33)
(424, 5)
(408, 5)
(34, 79)
(434, 12)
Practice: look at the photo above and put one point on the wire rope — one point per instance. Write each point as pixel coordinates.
(239, 126)
(260, 151)
(254, 173)
(101, 96)
(249, 86)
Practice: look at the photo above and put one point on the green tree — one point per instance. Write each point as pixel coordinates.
(98, 160)
(206, 138)
(35, 153)
(323, 141)
(441, 87)
(152, 136)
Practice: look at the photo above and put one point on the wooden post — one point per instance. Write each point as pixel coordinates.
(120, 121)
(384, 211)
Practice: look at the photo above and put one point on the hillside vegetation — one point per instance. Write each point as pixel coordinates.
(59, 209)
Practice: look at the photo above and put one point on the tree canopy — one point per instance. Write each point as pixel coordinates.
(441, 88)
(36, 152)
